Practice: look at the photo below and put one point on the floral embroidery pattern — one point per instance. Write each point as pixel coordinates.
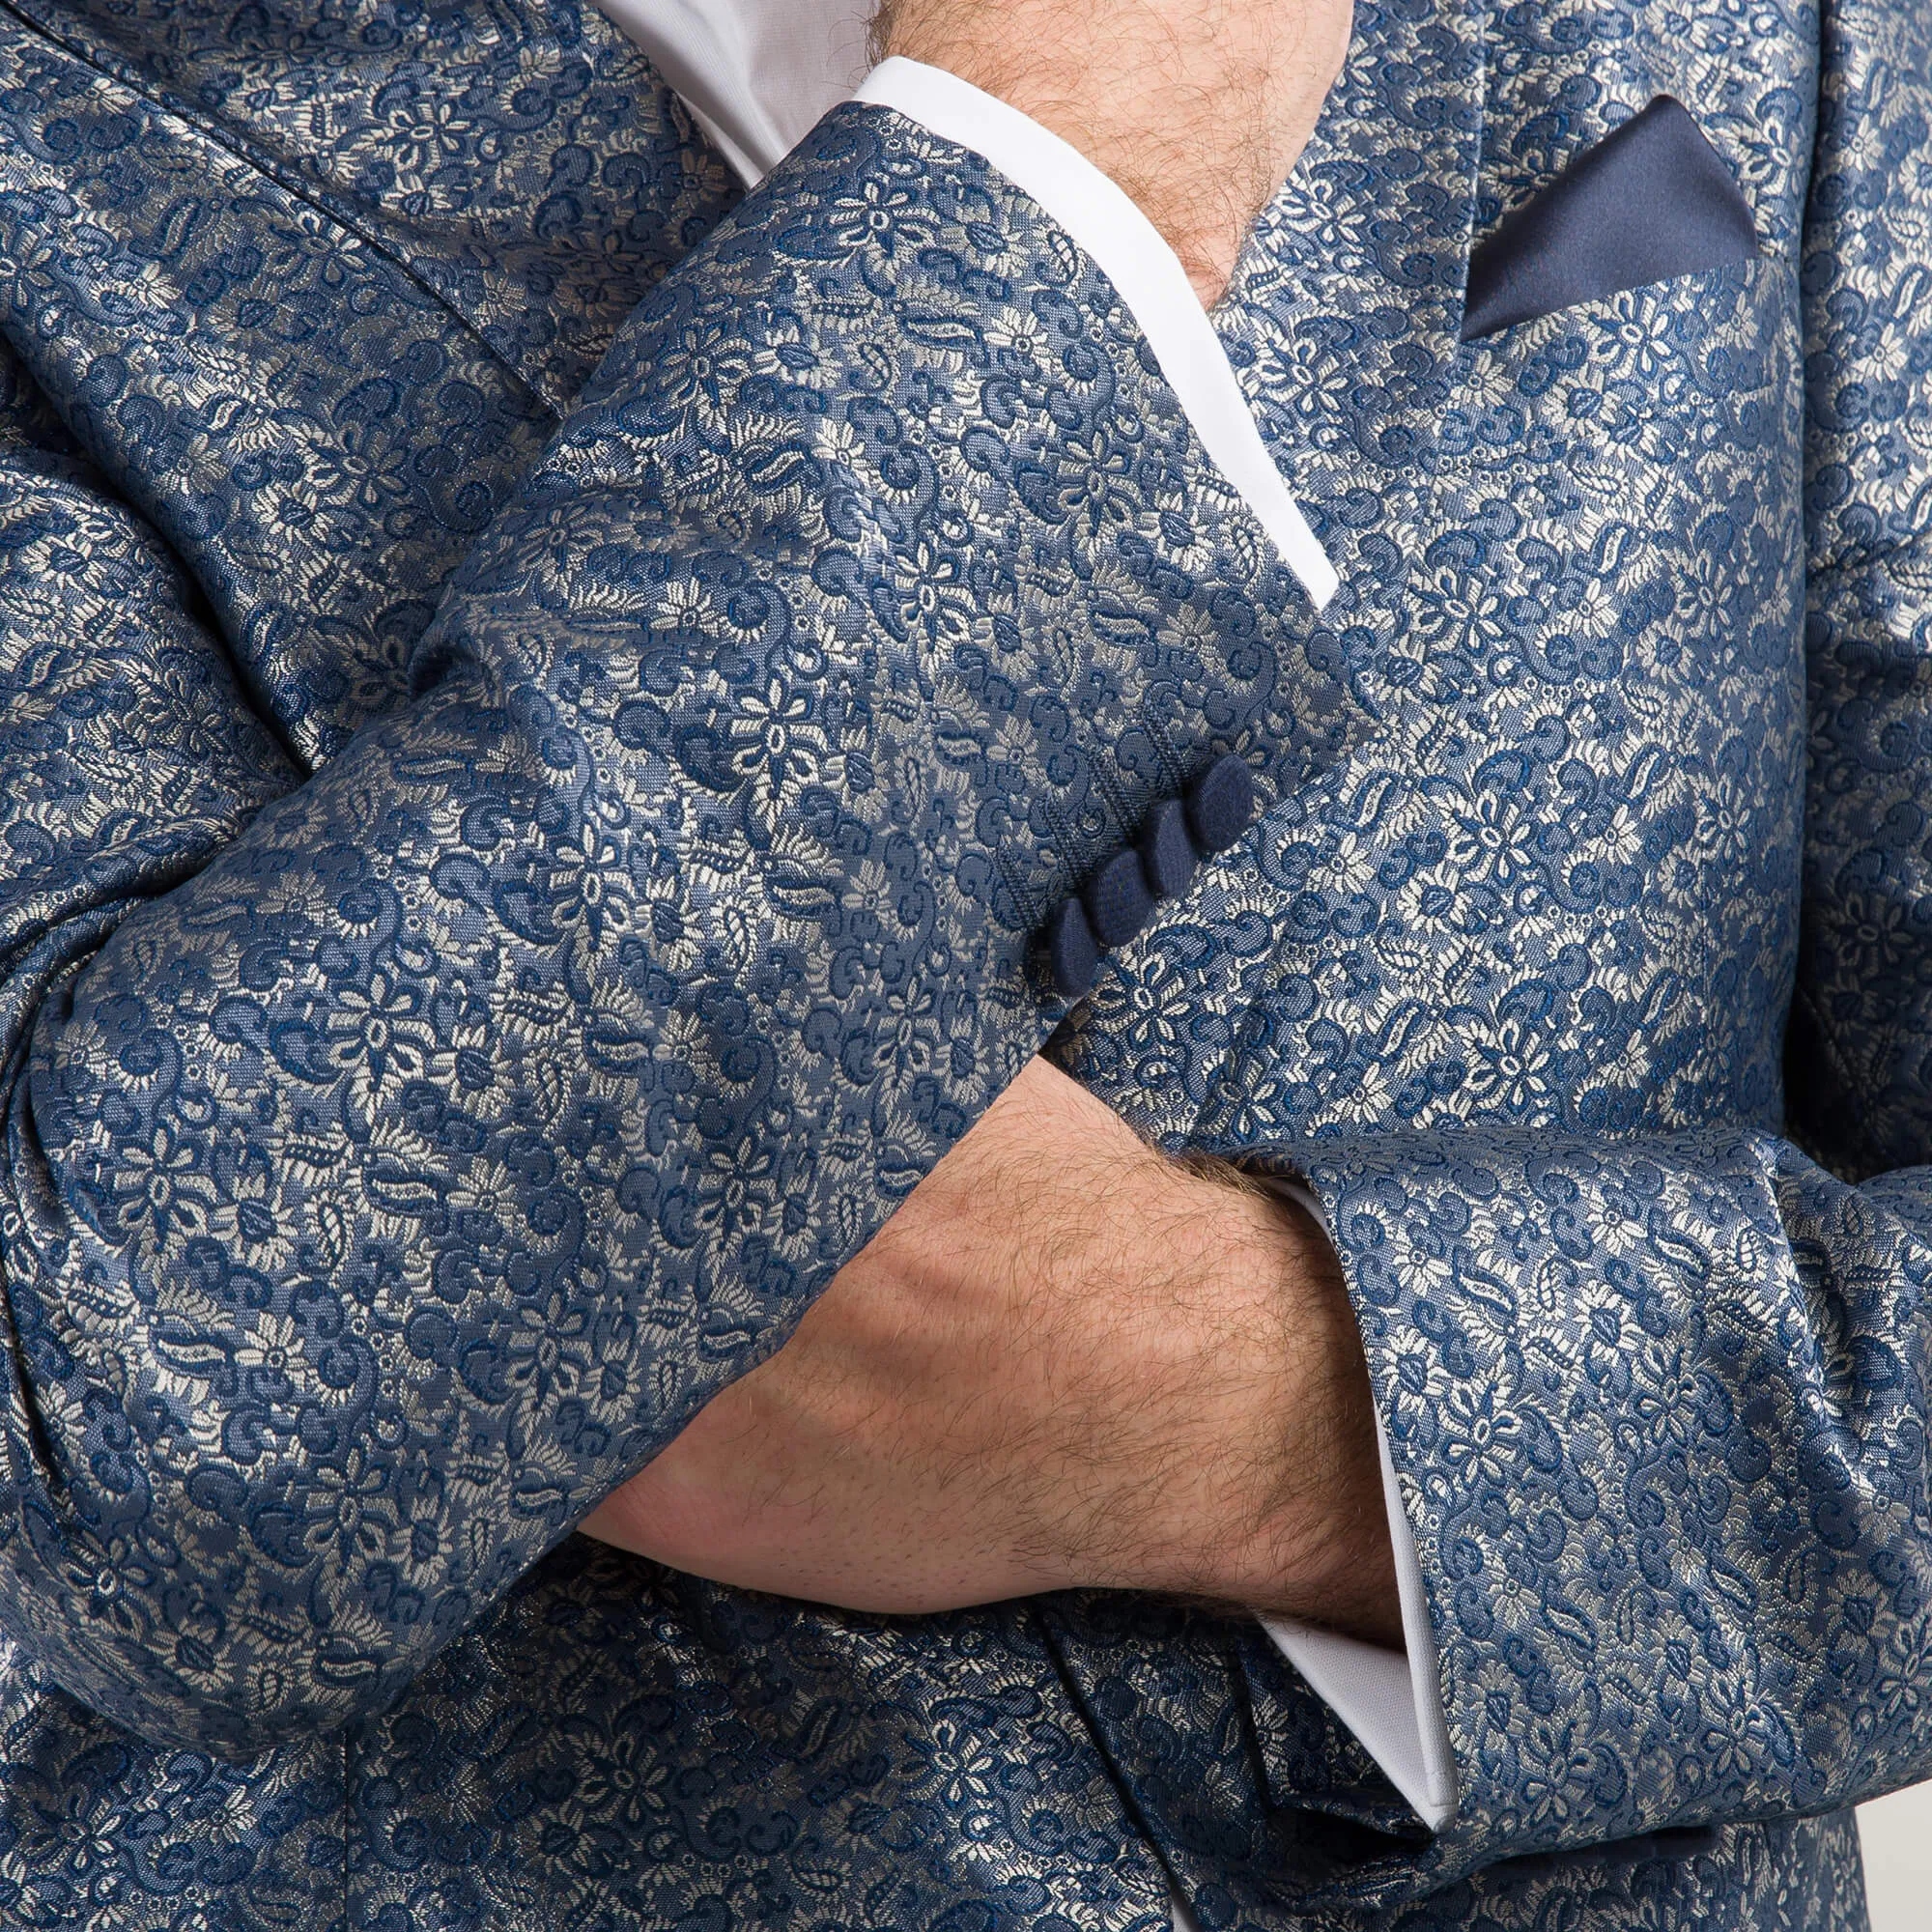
(491, 914)
(1510, 983)
(441, 1053)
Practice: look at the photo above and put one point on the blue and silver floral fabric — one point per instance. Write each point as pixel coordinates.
(507, 874)
(1636, 600)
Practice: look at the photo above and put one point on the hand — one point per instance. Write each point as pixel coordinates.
(1066, 1361)
(1198, 108)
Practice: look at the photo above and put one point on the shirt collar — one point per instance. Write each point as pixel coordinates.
(757, 73)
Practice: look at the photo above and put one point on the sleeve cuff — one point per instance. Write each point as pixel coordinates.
(1390, 1700)
(1103, 220)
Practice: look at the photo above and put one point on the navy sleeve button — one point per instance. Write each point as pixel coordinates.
(1071, 951)
(1167, 855)
(1220, 804)
(1118, 900)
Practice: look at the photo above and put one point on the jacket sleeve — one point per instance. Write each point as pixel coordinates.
(1658, 1407)
(393, 1163)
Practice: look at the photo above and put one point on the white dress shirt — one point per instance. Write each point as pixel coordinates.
(757, 74)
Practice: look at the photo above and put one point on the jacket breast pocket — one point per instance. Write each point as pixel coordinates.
(1662, 374)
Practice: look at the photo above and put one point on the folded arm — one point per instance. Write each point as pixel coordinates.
(1067, 1362)
(381, 1195)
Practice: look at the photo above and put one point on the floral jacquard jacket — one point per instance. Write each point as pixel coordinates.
(541, 712)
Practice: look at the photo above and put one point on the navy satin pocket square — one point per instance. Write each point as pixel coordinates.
(1650, 200)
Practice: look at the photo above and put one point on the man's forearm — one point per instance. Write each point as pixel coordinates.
(1067, 1362)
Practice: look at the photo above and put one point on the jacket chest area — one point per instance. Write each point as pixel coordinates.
(1559, 881)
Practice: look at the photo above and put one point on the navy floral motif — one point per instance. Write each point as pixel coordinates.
(313, 378)
(418, 1152)
(505, 883)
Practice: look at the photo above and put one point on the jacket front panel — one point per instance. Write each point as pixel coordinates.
(1501, 890)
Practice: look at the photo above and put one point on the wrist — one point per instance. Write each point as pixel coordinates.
(1326, 1557)
(1197, 109)
(1296, 1524)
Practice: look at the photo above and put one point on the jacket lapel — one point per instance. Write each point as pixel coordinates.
(1346, 313)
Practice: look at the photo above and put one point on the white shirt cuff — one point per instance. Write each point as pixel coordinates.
(1390, 1700)
(1146, 273)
